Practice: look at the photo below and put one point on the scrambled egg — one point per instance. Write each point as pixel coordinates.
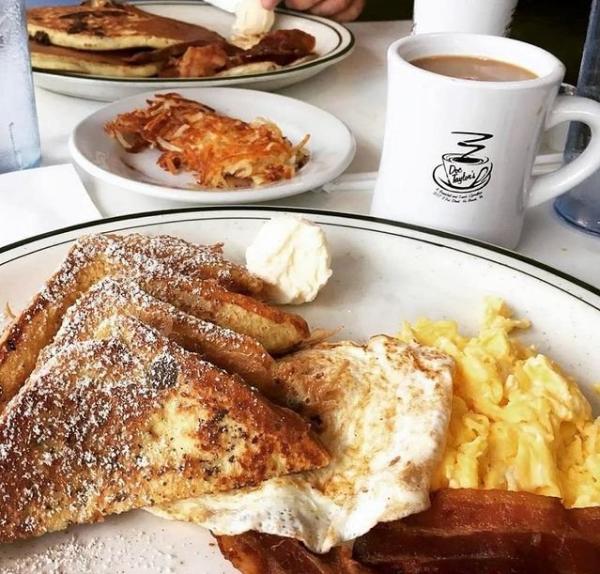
(518, 422)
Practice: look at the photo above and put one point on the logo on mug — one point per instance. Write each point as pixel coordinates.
(461, 177)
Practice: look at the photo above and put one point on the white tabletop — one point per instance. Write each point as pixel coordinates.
(355, 91)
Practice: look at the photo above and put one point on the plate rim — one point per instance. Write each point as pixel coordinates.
(433, 233)
(341, 51)
(214, 197)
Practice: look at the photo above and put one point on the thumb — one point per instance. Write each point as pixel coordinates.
(270, 4)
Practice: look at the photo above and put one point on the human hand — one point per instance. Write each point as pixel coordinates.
(340, 10)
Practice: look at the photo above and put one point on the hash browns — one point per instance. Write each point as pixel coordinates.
(221, 152)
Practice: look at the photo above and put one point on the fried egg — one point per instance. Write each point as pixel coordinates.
(518, 422)
(382, 411)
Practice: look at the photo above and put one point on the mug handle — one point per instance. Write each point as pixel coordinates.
(569, 109)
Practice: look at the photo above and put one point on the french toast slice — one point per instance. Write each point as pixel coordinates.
(234, 352)
(195, 279)
(277, 330)
(130, 419)
(189, 259)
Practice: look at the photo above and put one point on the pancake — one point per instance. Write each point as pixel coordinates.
(96, 63)
(107, 26)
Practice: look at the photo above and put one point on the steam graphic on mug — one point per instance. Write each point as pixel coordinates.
(464, 173)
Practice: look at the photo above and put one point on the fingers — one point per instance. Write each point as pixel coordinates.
(351, 13)
(269, 4)
(341, 10)
(302, 4)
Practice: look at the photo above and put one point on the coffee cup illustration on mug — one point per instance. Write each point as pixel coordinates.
(469, 171)
(464, 172)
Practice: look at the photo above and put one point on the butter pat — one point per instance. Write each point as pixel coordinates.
(252, 22)
(292, 255)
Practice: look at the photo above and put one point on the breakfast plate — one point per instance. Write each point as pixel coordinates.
(383, 273)
(331, 147)
(334, 42)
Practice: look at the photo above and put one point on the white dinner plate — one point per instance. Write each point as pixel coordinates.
(384, 273)
(331, 148)
(334, 43)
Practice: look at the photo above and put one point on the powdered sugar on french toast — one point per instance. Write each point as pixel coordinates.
(72, 437)
(65, 407)
(85, 408)
(79, 441)
(147, 256)
(110, 295)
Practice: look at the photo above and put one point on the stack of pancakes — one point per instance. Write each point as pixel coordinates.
(105, 39)
(102, 38)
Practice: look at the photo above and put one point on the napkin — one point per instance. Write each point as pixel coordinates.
(39, 200)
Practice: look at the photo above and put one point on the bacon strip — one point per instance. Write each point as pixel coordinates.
(464, 532)
(480, 531)
(255, 553)
(283, 47)
(280, 46)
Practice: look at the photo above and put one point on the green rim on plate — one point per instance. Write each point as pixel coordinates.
(433, 233)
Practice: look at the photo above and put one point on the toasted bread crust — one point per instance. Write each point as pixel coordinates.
(36, 325)
(234, 352)
(130, 420)
(195, 279)
(198, 262)
(278, 331)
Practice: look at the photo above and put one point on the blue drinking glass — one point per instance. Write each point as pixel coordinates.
(581, 205)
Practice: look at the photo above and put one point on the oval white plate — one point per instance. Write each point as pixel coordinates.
(334, 43)
(331, 146)
(384, 273)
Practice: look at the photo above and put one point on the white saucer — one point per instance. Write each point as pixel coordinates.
(331, 147)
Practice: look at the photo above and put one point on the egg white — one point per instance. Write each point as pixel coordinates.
(382, 410)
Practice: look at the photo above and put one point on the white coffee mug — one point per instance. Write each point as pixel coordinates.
(458, 154)
(473, 16)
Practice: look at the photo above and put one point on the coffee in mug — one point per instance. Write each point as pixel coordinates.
(470, 68)
(458, 154)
